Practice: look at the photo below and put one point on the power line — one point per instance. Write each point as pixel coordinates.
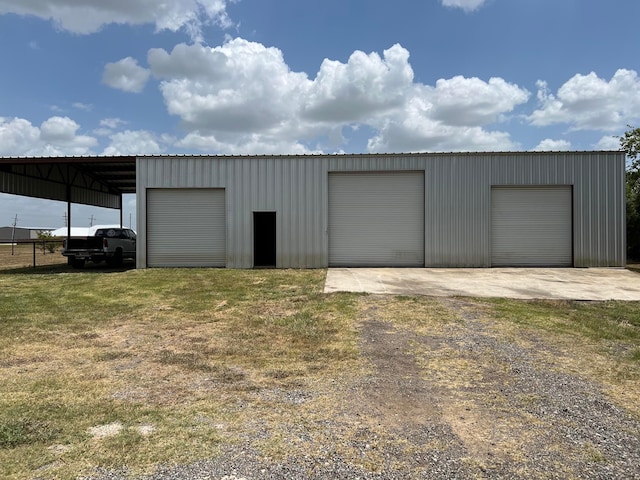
(13, 232)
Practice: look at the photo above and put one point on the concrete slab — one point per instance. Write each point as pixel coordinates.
(524, 283)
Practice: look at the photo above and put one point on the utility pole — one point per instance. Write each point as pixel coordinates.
(13, 232)
(64, 218)
(91, 221)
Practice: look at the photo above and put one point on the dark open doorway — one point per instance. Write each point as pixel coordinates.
(264, 239)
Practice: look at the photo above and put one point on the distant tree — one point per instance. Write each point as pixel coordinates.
(47, 242)
(630, 143)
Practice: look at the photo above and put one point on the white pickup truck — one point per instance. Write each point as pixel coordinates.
(111, 245)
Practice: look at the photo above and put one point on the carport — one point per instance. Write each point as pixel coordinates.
(436, 210)
(98, 181)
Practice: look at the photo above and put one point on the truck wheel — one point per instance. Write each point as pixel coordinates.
(76, 262)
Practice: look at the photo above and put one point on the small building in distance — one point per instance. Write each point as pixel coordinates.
(17, 234)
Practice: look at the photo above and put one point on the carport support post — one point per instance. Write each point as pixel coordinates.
(68, 219)
(68, 211)
(121, 206)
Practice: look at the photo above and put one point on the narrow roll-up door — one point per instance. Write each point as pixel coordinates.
(531, 226)
(186, 228)
(376, 219)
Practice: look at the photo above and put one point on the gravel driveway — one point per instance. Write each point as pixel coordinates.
(457, 401)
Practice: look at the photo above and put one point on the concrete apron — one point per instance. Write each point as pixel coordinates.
(525, 283)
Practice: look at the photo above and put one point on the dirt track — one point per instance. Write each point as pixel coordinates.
(460, 398)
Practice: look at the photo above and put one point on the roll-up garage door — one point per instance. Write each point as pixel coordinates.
(186, 228)
(376, 219)
(531, 226)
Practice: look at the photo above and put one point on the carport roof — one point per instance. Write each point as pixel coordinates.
(102, 180)
(90, 180)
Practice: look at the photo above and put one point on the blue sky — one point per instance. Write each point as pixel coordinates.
(106, 77)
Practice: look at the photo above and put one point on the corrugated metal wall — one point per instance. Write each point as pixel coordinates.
(457, 200)
(31, 186)
(457, 211)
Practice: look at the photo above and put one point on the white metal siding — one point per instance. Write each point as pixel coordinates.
(457, 200)
(531, 226)
(376, 219)
(186, 227)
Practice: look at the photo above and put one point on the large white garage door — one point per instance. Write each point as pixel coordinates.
(531, 226)
(186, 228)
(376, 219)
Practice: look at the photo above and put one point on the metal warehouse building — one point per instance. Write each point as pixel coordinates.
(433, 210)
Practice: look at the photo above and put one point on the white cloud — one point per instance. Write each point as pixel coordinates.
(55, 136)
(58, 129)
(126, 75)
(243, 145)
(247, 87)
(471, 101)
(87, 107)
(549, 145)
(60, 134)
(17, 136)
(112, 122)
(466, 5)
(587, 102)
(414, 130)
(608, 142)
(365, 86)
(89, 16)
(422, 126)
(191, 61)
(133, 143)
(242, 97)
(108, 125)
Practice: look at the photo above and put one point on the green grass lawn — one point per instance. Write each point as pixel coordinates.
(79, 350)
(169, 356)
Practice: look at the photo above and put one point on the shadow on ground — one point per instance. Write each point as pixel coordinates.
(65, 268)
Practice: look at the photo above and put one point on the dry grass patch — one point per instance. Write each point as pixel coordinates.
(21, 256)
(595, 340)
(149, 367)
(179, 352)
(469, 353)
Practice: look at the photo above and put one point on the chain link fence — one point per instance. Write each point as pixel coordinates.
(31, 254)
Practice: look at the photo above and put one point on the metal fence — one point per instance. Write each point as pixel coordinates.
(30, 253)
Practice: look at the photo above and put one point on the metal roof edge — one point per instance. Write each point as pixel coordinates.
(616, 153)
(132, 158)
(70, 159)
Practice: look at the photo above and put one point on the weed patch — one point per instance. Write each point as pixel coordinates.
(23, 431)
(611, 320)
(163, 348)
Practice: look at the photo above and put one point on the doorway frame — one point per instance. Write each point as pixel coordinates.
(265, 239)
